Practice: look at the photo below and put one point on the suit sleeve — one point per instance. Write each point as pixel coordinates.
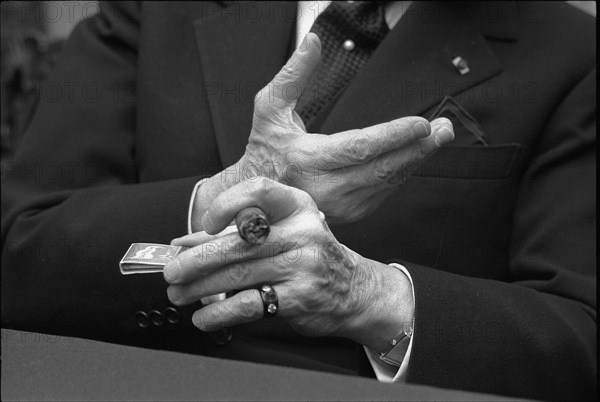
(71, 199)
(534, 336)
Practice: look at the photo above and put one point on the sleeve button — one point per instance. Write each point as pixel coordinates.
(142, 319)
(172, 315)
(157, 318)
(221, 337)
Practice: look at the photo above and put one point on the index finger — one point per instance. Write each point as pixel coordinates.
(355, 147)
(197, 238)
(277, 200)
(285, 88)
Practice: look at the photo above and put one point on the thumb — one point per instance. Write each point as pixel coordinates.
(287, 86)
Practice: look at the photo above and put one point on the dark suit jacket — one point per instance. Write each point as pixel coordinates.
(498, 234)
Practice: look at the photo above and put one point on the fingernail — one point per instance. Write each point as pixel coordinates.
(172, 270)
(198, 322)
(442, 121)
(304, 45)
(443, 135)
(174, 240)
(420, 129)
(173, 294)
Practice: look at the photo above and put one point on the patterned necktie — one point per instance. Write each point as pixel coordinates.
(349, 31)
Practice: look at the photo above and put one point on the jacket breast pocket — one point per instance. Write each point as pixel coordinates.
(471, 162)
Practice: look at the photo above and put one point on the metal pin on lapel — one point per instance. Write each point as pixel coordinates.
(461, 65)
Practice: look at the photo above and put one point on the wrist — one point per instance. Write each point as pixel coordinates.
(389, 307)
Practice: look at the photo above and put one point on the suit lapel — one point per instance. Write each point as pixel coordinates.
(411, 70)
(241, 47)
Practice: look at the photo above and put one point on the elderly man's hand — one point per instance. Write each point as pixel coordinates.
(324, 288)
(348, 174)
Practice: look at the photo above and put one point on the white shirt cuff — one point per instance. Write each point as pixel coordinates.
(387, 372)
(192, 200)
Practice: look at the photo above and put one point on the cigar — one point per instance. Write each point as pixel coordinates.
(253, 225)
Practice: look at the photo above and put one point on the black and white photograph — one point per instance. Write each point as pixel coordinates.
(298, 201)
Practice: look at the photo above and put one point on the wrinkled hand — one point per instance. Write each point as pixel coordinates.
(348, 174)
(324, 288)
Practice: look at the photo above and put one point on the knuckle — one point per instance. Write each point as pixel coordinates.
(359, 150)
(320, 222)
(384, 170)
(263, 187)
(322, 217)
(238, 273)
(247, 307)
(284, 266)
(310, 291)
(198, 256)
